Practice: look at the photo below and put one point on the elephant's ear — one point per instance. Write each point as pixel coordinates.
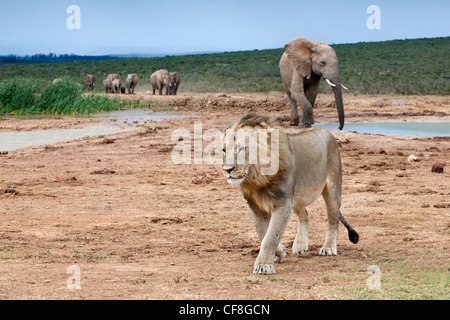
(299, 52)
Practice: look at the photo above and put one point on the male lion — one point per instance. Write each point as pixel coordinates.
(307, 165)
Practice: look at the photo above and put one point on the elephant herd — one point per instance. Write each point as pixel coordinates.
(158, 80)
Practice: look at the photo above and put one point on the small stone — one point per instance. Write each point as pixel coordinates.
(438, 168)
(413, 158)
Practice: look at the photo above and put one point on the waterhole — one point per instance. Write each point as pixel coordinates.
(10, 141)
(432, 129)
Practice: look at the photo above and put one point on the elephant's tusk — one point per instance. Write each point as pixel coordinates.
(330, 83)
(344, 87)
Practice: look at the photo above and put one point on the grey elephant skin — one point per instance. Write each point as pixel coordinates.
(89, 81)
(159, 79)
(131, 82)
(108, 82)
(116, 86)
(174, 83)
(302, 65)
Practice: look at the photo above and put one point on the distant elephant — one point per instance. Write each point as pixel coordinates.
(107, 83)
(55, 81)
(174, 83)
(159, 79)
(131, 82)
(89, 80)
(116, 86)
(301, 66)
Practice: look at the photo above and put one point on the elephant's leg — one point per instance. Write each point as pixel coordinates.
(295, 119)
(300, 245)
(311, 92)
(298, 95)
(307, 110)
(264, 263)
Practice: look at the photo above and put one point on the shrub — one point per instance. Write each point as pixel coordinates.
(59, 97)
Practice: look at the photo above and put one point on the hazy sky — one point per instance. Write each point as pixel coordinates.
(180, 26)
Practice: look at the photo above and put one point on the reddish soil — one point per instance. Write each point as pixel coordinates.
(140, 227)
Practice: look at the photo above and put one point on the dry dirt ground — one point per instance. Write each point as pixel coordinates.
(139, 226)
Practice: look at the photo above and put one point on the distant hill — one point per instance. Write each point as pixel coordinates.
(52, 58)
(58, 58)
(417, 66)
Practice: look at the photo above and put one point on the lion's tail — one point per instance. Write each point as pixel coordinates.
(353, 236)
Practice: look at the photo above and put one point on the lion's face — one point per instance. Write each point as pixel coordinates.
(236, 163)
(250, 153)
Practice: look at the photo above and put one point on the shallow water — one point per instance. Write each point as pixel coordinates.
(432, 129)
(138, 117)
(10, 141)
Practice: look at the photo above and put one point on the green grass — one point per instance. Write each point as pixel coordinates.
(402, 280)
(66, 97)
(17, 94)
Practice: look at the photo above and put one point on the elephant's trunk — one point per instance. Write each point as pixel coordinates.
(337, 90)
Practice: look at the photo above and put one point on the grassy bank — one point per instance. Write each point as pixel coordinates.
(25, 96)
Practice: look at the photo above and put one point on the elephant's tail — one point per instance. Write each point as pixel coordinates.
(353, 236)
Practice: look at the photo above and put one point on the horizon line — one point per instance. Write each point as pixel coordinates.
(164, 54)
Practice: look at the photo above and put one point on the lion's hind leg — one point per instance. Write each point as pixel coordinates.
(332, 198)
(300, 245)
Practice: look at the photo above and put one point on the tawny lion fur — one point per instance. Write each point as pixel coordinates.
(309, 165)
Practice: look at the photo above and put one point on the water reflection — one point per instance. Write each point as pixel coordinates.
(436, 129)
(10, 141)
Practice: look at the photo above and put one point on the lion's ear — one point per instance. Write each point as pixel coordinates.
(262, 125)
(299, 52)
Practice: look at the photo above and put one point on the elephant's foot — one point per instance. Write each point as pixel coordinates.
(305, 125)
(294, 121)
(307, 119)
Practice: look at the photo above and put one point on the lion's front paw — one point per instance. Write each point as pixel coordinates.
(262, 266)
(280, 254)
(299, 249)
(328, 251)
(264, 269)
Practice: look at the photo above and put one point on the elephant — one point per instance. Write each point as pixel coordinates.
(131, 82)
(107, 83)
(89, 80)
(116, 86)
(302, 65)
(159, 79)
(174, 83)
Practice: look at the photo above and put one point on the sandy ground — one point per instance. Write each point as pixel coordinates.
(137, 226)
